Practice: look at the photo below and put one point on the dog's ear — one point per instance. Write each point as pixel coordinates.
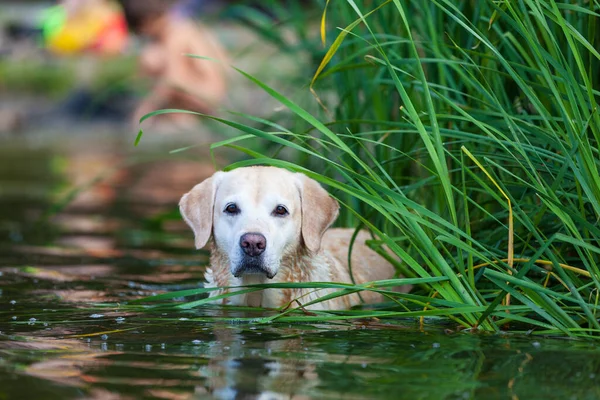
(319, 211)
(197, 206)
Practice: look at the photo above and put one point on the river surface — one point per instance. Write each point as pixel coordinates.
(87, 227)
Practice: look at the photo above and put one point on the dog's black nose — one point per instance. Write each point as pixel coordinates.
(253, 244)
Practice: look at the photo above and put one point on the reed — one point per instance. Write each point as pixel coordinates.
(465, 136)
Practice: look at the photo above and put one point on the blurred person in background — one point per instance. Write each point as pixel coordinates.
(179, 81)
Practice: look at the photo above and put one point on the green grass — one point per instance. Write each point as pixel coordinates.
(465, 135)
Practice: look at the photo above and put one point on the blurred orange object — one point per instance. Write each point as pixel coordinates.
(91, 25)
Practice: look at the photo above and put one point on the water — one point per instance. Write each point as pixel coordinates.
(68, 330)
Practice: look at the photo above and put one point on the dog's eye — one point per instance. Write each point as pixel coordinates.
(280, 211)
(232, 209)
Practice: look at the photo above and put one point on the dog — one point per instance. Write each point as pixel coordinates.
(267, 224)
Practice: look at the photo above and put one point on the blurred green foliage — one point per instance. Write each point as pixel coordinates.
(44, 76)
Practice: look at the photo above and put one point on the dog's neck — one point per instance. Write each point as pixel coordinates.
(295, 266)
(254, 299)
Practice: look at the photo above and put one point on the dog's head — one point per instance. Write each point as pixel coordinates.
(257, 215)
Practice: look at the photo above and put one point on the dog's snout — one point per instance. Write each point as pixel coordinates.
(253, 244)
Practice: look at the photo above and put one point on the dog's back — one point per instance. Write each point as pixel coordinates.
(366, 264)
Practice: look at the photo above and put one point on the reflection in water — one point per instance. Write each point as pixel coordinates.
(178, 359)
(66, 330)
(256, 370)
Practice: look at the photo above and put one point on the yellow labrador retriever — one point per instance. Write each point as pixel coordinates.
(270, 225)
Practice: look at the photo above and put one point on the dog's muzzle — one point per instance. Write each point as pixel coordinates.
(253, 245)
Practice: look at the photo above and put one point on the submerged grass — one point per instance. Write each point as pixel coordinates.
(465, 136)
